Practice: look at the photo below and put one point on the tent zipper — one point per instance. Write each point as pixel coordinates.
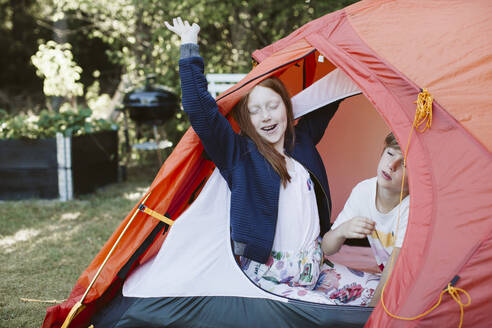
(322, 189)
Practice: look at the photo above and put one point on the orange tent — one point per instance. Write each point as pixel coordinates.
(390, 50)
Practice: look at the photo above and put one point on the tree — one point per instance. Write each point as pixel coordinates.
(54, 63)
(230, 30)
(125, 40)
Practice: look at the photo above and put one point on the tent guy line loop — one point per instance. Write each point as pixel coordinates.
(423, 113)
(423, 116)
(155, 214)
(453, 292)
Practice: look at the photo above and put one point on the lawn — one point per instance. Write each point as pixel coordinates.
(46, 244)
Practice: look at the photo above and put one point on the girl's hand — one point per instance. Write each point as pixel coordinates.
(187, 32)
(358, 227)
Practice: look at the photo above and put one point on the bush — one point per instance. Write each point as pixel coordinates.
(48, 123)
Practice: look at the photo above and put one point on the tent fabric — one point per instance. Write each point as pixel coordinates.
(389, 50)
(246, 312)
(204, 261)
(210, 311)
(334, 86)
(210, 289)
(351, 147)
(444, 46)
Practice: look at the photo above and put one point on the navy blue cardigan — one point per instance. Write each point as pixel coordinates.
(254, 184)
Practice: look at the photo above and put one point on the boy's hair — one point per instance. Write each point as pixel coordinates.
(390, 141)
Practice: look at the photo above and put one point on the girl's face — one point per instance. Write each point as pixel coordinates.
(390, 171)
(268, 116)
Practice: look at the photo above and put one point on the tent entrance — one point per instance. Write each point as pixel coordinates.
(350, 150)
(196, 259)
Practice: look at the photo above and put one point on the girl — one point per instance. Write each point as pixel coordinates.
(272, 169)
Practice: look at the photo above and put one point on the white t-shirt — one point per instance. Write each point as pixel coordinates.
(362, 202)
(298, 221)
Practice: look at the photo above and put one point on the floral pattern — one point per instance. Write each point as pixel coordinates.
(347, 293)
(295, 270)
(328, 281)
(307, 277)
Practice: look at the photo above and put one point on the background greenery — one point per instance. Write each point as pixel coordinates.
(89, 53)
(118, 42)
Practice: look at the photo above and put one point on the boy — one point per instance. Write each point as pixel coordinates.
(372, 211)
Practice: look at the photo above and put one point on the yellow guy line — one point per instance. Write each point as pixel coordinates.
(78, 307)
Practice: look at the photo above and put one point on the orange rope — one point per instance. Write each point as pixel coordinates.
(423, 116)
(453, 292)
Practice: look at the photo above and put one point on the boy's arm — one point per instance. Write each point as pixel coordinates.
(384, 277)
(357, 227)
(349, 224)
(332, 241)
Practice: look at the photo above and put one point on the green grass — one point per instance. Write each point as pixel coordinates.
(46, 244)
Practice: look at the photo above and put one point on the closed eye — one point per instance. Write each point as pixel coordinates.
(253, 110)
(272, 105)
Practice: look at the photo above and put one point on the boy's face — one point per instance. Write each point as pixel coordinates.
(390, 171)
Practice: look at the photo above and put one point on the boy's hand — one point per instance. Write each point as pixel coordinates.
(187, 32)
(358, 227)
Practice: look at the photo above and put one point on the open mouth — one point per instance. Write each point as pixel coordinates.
(269, 128)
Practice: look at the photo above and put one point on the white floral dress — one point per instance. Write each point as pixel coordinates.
(296, 268)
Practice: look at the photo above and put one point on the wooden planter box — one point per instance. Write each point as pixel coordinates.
(58, 167)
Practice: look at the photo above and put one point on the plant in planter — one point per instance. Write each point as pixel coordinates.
(54, 155)
(58, 152)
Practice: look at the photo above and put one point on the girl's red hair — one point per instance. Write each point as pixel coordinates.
(242, 117)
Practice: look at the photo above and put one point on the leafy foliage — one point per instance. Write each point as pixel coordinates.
(230, 30)
(54, 63)
(48, 123)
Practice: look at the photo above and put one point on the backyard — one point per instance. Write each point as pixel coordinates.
(330, 79)
(68, 67)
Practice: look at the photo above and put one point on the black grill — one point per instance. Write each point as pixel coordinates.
(151, 105)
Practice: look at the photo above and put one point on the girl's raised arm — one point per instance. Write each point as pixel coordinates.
(188, 33)
(219, 140)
